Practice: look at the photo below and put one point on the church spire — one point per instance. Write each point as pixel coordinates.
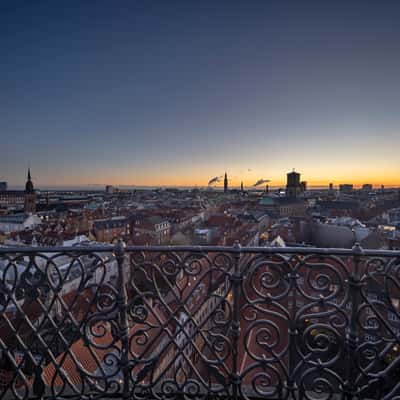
(29, 184)
(30, 195)
(225, 183)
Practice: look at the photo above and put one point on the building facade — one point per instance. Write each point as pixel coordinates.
(19, 199)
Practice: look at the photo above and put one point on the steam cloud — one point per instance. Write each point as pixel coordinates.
(261, 181)
(216, 179)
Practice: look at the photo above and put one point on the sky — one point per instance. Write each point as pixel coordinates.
(147, 92)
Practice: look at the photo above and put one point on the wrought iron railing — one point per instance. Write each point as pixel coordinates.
(94, 322)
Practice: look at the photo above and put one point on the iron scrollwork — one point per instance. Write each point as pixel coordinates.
(199, 322)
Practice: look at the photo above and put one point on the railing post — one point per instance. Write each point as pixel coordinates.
(352, 339)
(38, 387)
(236, 288)
(293, 332)
(122, 300)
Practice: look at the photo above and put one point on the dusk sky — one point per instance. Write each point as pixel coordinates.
(175, 92)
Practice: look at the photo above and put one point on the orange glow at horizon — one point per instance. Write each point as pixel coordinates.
(235, 180)
(316, 168)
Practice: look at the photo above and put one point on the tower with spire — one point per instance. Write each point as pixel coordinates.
(30, 195)
(241, 186)
(226, 183)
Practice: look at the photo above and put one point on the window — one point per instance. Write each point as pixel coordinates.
(369, 338)
(371, 323)
(392, 317)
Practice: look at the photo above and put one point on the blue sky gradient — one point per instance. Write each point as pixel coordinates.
(175, 92)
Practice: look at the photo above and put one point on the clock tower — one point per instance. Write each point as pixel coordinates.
(30, 195)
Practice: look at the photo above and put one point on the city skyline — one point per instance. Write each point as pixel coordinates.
(234, 183)
(174, 93)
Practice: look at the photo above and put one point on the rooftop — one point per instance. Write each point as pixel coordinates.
(14, 218)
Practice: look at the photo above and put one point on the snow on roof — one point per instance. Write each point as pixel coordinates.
(201, 231)
(278, 242)
(76, 240)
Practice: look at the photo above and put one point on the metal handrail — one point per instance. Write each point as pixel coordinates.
(266, 322)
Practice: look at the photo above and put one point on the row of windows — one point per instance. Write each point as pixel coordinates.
(393, 317)
(164, 225)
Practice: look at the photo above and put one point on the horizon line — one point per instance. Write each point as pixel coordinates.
(260, 187)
